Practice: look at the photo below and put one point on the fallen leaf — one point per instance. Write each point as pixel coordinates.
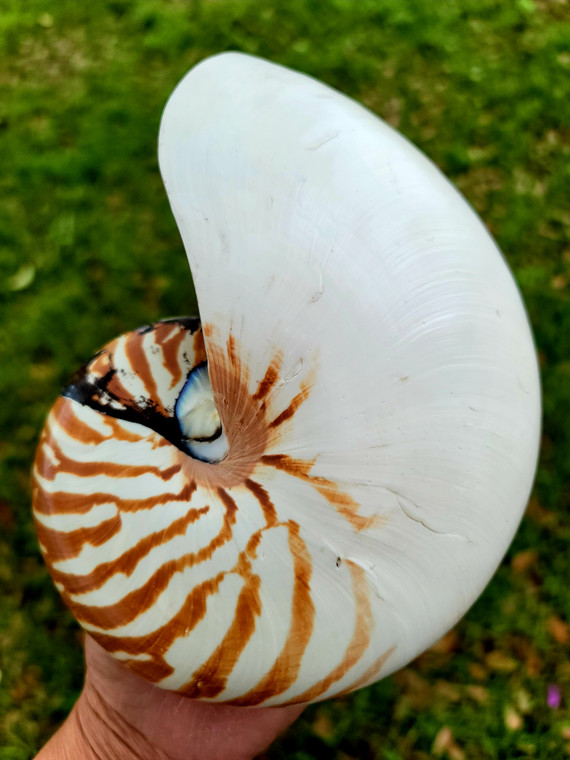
(533, 664)
(445, 744)
(538, 513)
(547, 231)
(478, 693)
(558, 629)
(448, 691)
(501, 662)
(418, 691)
(523, 700)
(513, 720)
(323, 726)
(442, 741)
(447, 643)
(524, 560)
(27, 685)
(478, 671)
(523, 651)
(23, 278)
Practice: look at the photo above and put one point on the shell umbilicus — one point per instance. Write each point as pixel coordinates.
(300, 494)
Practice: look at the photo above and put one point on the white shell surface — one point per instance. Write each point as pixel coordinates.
(317, 234)
(377, 387)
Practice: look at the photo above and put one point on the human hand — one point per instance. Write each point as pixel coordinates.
(118, 716)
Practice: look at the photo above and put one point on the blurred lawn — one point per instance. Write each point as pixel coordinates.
(88, 249)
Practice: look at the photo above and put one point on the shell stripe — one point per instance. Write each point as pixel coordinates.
(126, 563)
(363, 627)
(137, 407)
(137, 358)
(372, 673)
(286, 668)
(342, 502)
(141, 599)
(67, 545)
(296, 402)
(110, 469)
(269, 379)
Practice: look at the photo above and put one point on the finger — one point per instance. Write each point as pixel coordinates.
(180, 725)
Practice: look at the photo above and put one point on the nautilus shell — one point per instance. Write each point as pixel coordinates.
(296, 497)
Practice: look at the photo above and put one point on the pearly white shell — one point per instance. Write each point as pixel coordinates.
(374, 371)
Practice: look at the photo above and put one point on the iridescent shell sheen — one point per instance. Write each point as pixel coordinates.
(374, 373)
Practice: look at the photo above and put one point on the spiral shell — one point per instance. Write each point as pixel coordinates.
(302, 494)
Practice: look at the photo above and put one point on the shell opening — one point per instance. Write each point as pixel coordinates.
(200, 424)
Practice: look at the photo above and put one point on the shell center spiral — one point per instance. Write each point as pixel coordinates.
(199, 420)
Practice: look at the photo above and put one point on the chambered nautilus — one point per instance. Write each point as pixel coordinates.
(295, 496)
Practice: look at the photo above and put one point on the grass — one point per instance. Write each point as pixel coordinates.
(88, 249)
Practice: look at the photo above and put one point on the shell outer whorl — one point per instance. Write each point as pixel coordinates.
(167, 560)
(376, 459)
(98, 385)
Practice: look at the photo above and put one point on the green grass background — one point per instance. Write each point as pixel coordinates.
(88, 249)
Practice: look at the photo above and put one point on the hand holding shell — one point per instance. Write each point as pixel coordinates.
(299, 496)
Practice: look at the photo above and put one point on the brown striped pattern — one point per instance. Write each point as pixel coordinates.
(147, 543)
